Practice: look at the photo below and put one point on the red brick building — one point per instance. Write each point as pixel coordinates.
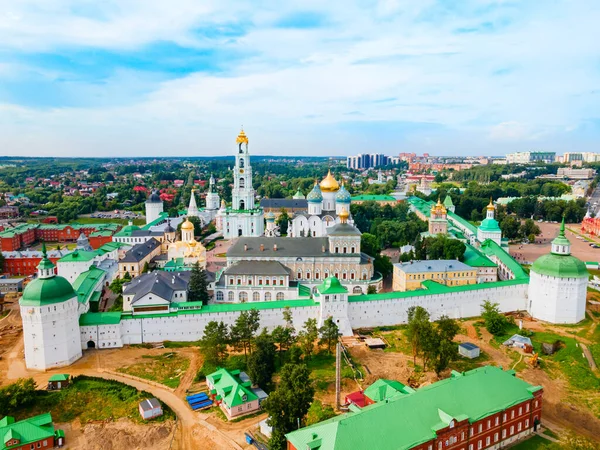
(485, 408)
(25, 262)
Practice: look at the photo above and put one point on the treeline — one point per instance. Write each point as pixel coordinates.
(494, 172)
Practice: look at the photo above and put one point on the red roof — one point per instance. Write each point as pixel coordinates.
(140, 189)
(358, 398)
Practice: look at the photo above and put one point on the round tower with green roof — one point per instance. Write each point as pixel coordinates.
(50, 315)
(558, 284)
(489, 228)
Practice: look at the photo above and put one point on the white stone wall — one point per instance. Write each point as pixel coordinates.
(102, 336)
(51, 335)
(557, 300)
(153, 211)
(71, 270)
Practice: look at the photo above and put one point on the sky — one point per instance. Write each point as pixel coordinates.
(180, 77)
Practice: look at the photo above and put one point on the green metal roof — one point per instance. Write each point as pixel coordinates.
(448, 201)
(86, 283)
(127, 230)
(60, 377)
(560, 266)
(405, 421)
(303, 291)
(47, 291)
(490, 225)
(27, 431)
(230, 388)
(331, 285)
(79, 256)
(162, 217)
(491, 248)
(452, 217)
(385, 389)
(100, 318)
(475, 258)
(373, 198)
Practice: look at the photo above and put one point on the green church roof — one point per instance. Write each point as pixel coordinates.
(561, 239)
(448, 201)
(47, 291)
(490, 225)
(560, 266)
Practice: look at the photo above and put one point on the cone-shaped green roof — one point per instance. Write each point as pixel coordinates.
(331, 285)
(561, 239)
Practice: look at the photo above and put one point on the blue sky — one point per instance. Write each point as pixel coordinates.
(153, 78)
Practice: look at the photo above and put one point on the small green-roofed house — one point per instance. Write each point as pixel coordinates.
(34, 432)
(232, 390)
(58, 381)
(448, 410)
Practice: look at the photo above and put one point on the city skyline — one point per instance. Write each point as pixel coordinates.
(155, 79)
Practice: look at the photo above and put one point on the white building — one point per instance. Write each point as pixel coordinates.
(489, 228)
(272, 229)
(530, 157)
(207, 214)
(154, 207)
(153, 293)
(50, 315)
(325, 203)
(558, 284)
(243, 218)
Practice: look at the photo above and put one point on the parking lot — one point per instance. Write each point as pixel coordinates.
(115, 215)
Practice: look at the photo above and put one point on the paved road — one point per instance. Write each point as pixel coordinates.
(595, 198)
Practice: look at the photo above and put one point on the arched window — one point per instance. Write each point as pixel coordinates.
(242, 182)
(352, 250)
(299, 275)
(219, 296)
(280, 296)
(267, 296)
(344, 249)
(337, 250)
(241, 163)
(344, 275)
(243, 297)
(308, 274)
(352, 275)
(256, 297)
(230, 296)
(317, 275)
(242, 206)
(357, 290)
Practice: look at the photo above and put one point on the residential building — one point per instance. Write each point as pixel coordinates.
(136, 258)
(575, 174)
(35, 432)
(25, 262)
(9, 212)
(530, 157)
(11, 285)
(367, 161)
(232, 391)
(484, 408)
(410, 275)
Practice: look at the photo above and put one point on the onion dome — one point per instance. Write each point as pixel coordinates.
(187, 225)
(343, 196)
(438, 208)
(315, 196)
(490, 207)
(47, 288)
(343, 215)
(329, 184)
(270, 217)
(154, 197)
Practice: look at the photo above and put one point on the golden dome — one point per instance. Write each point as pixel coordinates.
(329, 184)
(242, 138)
(490, 207)
(438, 208)
(187, 225)
(343, 215)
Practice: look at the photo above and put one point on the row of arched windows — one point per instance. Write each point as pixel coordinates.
(243, 296)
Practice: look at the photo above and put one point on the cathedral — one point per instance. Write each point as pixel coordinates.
(187, 251)
(207, 214)
(244, 217)
(326, 201)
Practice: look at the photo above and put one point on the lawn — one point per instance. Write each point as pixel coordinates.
(90, 399)
(533, 443)
(463, 364)
(166, 368)
(322, 366)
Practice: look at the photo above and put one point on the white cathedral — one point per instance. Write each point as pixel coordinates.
(207, 214)
(244, 217)
(326, 201)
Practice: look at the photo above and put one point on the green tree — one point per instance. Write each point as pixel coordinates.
(371, 290)
(173, 212)
(495, 321)
(329, 334)
(289, 403)
(17, 395)
(261, 363)
(510, 227)
(1, 262)
(307, 337)
(116, 285)
(214, 343)
(318, 413)
(446, 329)
(146, 268)
(369, 244)
(418, 323)
(198, 286)
(383, 265)
(282, 221)
(528, 228)
(285, 336)
(244, 329)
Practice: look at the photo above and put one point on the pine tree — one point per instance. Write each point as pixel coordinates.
(198, 287)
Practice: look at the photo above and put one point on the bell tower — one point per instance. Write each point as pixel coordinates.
(242, 195)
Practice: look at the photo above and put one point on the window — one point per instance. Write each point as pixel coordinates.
(503, 434)
(256, 296)
(535, 404)
(267, 296)
(512, 430)
(439, 446)
(280, 296)
(479, 444)
(526, 423)
(489, 424)
(504, 417)
(497, 421)
(219, 296)
(495, 437)
(242, 183)
(527, 407)
(299, 275)
(512, 414)
(487, 440)
(519, 426)
(230, 296)
(480, 429)
(470, 446)
(472, 431)
(520, 410)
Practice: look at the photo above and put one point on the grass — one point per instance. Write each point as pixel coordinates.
(218, 412)
(463, 364)
(534, 443)
(90, 399)
(549, 432)
(322, 366)
(166, 368)
(181, 344)
(233, 362)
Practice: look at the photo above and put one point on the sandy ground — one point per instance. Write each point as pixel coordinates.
(527, 253)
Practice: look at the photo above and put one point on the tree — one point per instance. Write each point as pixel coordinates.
(288, 404)
(447, 329)
(261, 364)
(1, 262)
(173, 212)
(369, 244)
(146, 268)
(17, 395)
(318, 413)
(116, 285)
(383, 265)
(329, 333)
(198, 287)
(495, 321)
(418, 323)
(246, 326)
(214, 343)
(371, 290)
(285, 336)
(510, 227)
(528, 228)
(282, 221)
(308, 336)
